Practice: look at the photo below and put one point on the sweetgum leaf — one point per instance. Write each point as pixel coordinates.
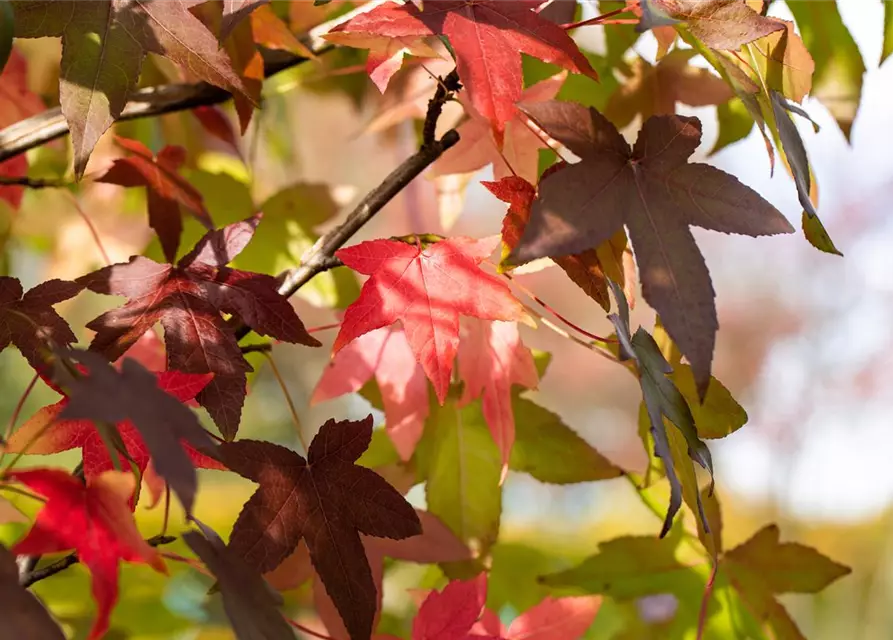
(551, 451)
(653, 191)
(555, 619)
(326, 500)
(28, 321)
(451, 613)
(95, 521)
(720, 24)
(887, 46)
(170, 428)
(386, 355)
(134, 395)
(249, 605)
(103, 46)
(462, 468)
(487, 37)
(166, 190)
(23, 614)
(427, 289)
(189, 298)
(234, 11)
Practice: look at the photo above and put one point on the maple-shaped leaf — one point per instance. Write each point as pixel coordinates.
(426, 289)
(146, 408)
(654, 90)
(327, 501)
(247, 600)
(435, 544)
(17, 102)
(551, 619)
(720, 24)
(450, 614)
(188, 299)
(487, 37)
(587, 269)
(519, 153)
(657, 194)
(23, 614)
(386, 355)
(492, 359)
(103, 46)
(95, 521)
(28, 321)
(166, 190)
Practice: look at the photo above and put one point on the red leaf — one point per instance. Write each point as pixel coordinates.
(427, 290)
(93, 520)
(166, 190)
(556, 619)
(28, 320)
(234, 11)
(488, 37)
(103, 51)
(135, 402)
(477, 147)
(188, 299)
(326, 500)
(492, 358)
(17, 102)
(215, 122)
(451, 613)
(657, 194)
(386, 354)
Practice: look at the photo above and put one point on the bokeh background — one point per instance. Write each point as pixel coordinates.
(805, 339)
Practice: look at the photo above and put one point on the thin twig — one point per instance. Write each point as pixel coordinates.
(445, 89)
(320, 257)
(31, 577)
(34, 183)
(296, 420)
(264, 347)
(152, 101)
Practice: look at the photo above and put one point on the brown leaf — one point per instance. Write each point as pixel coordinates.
(720, 24)
(653, 191)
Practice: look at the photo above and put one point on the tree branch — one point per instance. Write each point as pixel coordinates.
(36, 575)
(321, 257)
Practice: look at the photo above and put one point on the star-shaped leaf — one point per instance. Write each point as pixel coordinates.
(166, 190)
(188, 299)
(427, 289)
(450, 614)
(386, 355)
(487, 37)
(159, 433)
(95, 521)
(720, 24)
(588, 269)
(492, 359)
(325, 500)
(654, 90)
(28, 320)
(103, 46)
(519, 153)
(657, 194)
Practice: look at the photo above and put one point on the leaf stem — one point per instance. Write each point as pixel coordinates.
(309, 632)
(18, 410)
(89, 223)
(21, 492)
(565, 334)
(556, 314)
(291, 405)
(596, 20)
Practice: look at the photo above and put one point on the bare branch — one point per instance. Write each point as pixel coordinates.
(36, 575)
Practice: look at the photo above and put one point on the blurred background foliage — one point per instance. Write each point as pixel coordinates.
(805, 344)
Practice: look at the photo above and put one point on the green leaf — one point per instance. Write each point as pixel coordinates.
(719, 414)
(887, 48)
(818, 237)
(552, 452)
(632, 567)
(735, 122)
(837, 80)
(513, 575)
(462, 466)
